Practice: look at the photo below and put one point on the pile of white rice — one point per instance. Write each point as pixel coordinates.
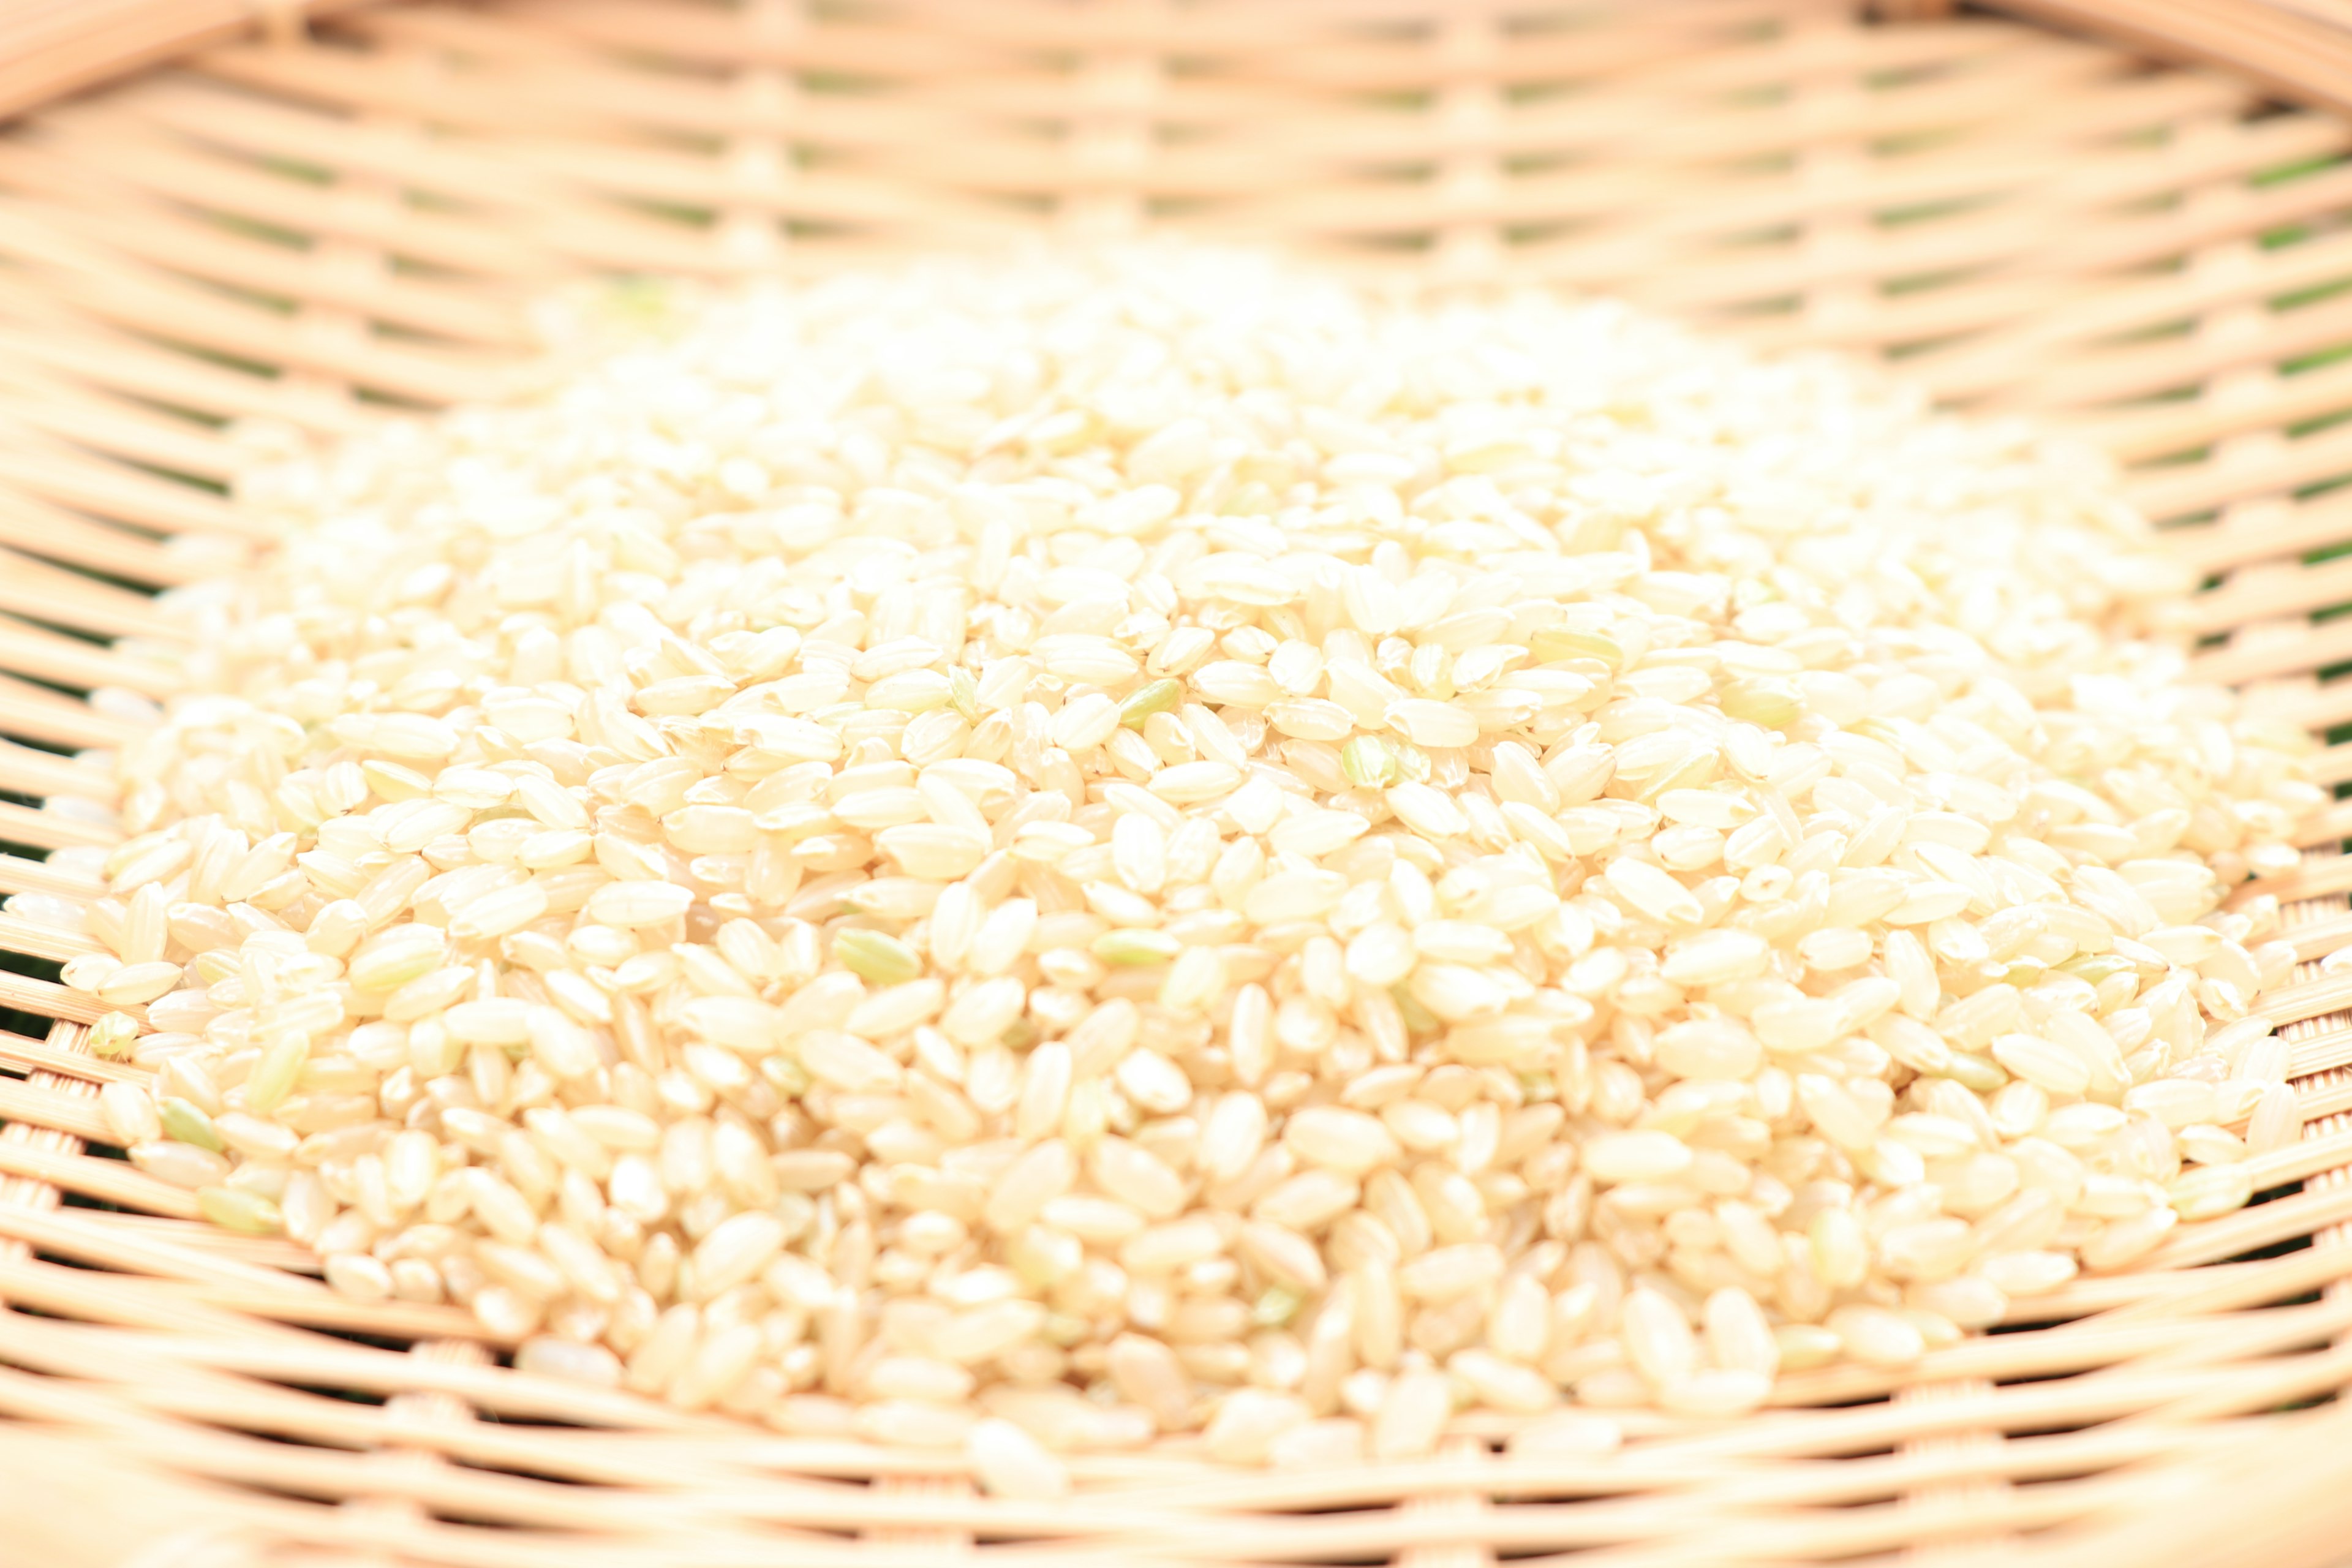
(1045, 857)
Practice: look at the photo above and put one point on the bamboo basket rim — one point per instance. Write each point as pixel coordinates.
(152, 1374)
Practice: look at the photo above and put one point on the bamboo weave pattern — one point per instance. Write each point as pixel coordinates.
(310, 229)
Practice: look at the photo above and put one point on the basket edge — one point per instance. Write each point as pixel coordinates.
(50, 52)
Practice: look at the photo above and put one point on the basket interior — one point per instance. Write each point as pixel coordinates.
(297, 234)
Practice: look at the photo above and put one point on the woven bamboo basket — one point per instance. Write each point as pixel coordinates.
(311, 220)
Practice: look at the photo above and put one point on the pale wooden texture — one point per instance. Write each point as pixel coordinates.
(55, 47)
(300, 230)
(2301, 49)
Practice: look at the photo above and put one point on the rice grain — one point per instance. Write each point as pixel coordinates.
(1354, 857)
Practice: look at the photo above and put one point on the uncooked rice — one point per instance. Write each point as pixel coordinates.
(1046, 856)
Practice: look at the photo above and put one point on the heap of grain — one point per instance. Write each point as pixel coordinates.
(1045, 856)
